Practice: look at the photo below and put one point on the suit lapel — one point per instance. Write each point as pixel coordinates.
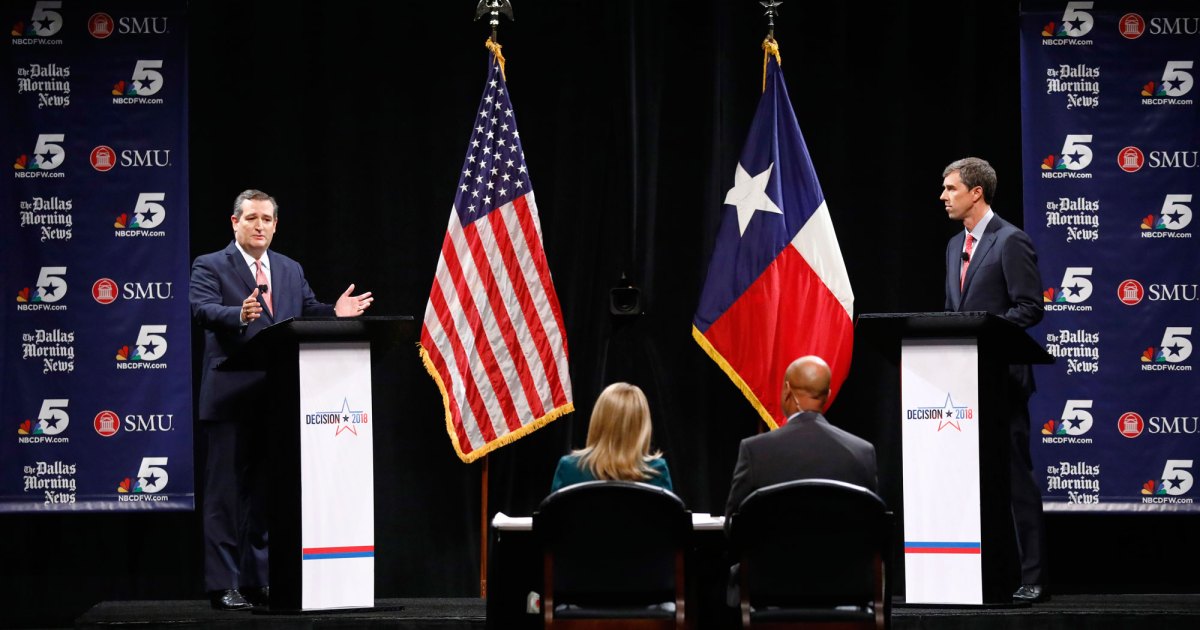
(239, 269)
(281, 280)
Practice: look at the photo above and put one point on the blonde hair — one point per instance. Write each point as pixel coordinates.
(618, 442)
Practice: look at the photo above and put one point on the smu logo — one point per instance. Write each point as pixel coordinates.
(103, 26)
(1130, 292)
(1130, 159)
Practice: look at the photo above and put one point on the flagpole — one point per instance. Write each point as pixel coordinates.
(494, 9)
(770, 46)
(483, 531)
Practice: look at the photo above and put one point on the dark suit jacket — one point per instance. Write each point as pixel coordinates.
(220, 282)
(1002, 279)
(807, 447)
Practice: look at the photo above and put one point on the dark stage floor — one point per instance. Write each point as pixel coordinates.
(1099, 612)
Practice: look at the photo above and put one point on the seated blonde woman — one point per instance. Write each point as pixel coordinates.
(618, 443)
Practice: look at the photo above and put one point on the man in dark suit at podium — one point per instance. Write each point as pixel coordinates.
(234, 294)
(991, 266)
(807, 447)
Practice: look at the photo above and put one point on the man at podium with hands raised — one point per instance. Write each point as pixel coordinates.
(235, 293)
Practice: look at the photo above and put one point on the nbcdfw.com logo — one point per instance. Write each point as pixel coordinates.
(151, 478)
(1071, 293)
(1075, 421)
(1171, 353)
(1176, 480)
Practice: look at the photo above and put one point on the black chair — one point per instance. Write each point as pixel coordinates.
(812, 555)
(613, 555)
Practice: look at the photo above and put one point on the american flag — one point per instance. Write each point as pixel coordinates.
(777, 287)
(493, 336)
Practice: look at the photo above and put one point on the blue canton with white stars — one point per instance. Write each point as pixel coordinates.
(494, 171)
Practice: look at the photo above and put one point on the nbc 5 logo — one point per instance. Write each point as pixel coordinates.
(1175, 346)
(51, 284)
(1076, 287)
(1076, 154)
(1075, 21)
(45, 22)
(152, 475)
(1175, 80)
(53, 418)
(1175, 215)
(147, 80)
(1076, 419)
(48, 154)
(151, 344)
(148, 212)
(1176, 477)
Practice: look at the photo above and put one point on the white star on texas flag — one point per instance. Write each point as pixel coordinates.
(749, 194)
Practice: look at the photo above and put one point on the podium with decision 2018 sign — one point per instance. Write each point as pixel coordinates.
(958, 539)
(322, 529)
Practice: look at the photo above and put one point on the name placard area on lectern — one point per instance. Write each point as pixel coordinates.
(942, 537)
(337, 489)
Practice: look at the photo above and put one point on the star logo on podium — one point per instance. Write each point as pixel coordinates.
(347, 419)
(950, 414)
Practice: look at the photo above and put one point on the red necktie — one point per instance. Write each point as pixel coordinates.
(966, 261)
(261, 279)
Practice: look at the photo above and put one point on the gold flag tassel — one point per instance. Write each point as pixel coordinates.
(769, 46)
(495, 48)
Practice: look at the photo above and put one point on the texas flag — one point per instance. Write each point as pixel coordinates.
(777, 288)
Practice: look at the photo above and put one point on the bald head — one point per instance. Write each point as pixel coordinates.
(806, 385)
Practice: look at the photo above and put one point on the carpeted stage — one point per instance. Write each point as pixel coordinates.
(1093, 612)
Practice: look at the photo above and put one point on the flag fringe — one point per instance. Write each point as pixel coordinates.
(733, 376)
(503, 440)
(495, 48)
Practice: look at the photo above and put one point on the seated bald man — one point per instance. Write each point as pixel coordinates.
(807, 447)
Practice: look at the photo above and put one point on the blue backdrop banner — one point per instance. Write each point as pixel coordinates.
(95, 328)
(1111, 180)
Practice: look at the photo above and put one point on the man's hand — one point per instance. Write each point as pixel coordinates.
(251, 309)
(352, 305)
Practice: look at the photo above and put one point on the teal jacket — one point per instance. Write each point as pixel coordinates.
(570, 472)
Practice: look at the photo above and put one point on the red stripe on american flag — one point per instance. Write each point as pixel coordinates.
(456, 265)
(501, 397)
(474, 398)
(448, 378)
(526, 221)
(504, 324)
(533, 321)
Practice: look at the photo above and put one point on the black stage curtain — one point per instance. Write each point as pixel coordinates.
(355, 116)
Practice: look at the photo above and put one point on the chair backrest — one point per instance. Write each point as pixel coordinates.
(613, 542)
(811, 543)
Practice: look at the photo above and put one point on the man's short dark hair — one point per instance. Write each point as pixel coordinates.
(975, 172)
(251, 194)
